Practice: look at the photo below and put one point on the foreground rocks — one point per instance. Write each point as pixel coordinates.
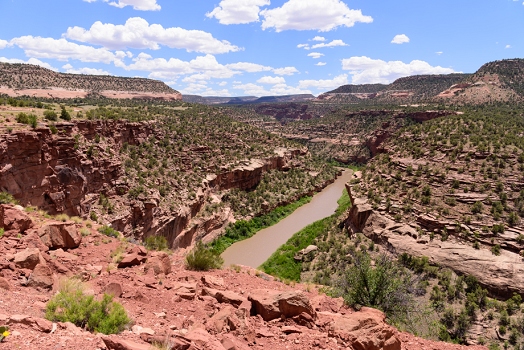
(172, 307)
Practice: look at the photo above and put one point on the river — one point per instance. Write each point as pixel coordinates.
(257, 249)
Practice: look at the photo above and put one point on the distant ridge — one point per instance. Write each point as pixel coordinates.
(246, 99)
(31, 80)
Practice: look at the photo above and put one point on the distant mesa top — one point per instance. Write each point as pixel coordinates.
(30, 80)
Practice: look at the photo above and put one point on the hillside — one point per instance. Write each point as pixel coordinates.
(242, 100)
(494, 81)
(36, 81)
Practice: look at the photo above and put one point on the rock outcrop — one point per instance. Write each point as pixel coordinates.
(501, 275)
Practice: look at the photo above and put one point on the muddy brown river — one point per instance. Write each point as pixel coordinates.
(257, 249)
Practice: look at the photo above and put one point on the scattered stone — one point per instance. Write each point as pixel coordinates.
(131, 260)
(212, 282)
(42, 277)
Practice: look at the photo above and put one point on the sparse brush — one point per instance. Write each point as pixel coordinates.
(156, 243)
(108, 231)
(71, 304)
(201, 258)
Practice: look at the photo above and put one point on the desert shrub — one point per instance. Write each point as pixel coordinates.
(385, 285)
(477, 208)
(108, 231)
(201, 258)
(7, 198)
(29, 119)
(50, 115)
(156, 243)
(71, 304)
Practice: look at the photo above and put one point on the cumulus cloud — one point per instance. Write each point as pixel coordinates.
(315, 55)
(321, 64)
(63, 50)
(140, 5)
(137, 33)
(271, 80)
(371, 71)
(400, 39)
(33, 61)
(278, 89)
(3, 44)
(323, 15)
(334, 43)
(439, 53)
(89, 71)
(237, 12)
(325, 84)
(285, 71)
(248, 67)
(169, 69)
(319, 38)
(508, 46)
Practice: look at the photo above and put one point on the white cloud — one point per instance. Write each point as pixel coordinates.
(323, 15)
(62, 50)
(222, 83)
(334, 43)
(271, 80)
(315, 55)
(325, 84)
(3, 44)
(161, 68)
(89, 71)
(508, 46)
(276, 90)
(321, 64)
(139, 34)
(237, 12)
(370, 71)
(400, 39)
(248, 67)
(140, 5)
(439, 53)
(33, 61)
(319, 38)
(285, 71)
(305, 46)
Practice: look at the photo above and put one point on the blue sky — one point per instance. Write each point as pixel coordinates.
(261, 47)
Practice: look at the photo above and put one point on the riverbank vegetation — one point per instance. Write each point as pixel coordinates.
(283, 264)
(244, 229)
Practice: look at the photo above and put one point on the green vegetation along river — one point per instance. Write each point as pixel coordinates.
(257, 249)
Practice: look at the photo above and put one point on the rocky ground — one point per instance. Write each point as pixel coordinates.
(233, 308)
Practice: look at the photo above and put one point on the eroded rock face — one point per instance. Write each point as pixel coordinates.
(501, 275)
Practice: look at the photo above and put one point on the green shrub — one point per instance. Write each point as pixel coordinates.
(29, 119)
(108, 231)
(72, 305)
(7, 198)
(201, 258)
(156, 243)
(384, 285)
(50, 115)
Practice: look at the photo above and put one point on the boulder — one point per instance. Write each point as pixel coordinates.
(39, 324)
(28, 258)
(114, 289)
(212, 282)
(131, 260)
(272, 304)
(42, 276)
(203, 340)
(115, 343)
(159, 262)
(224, 296)
(365, 330)
(14, 218)
(57, 235)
